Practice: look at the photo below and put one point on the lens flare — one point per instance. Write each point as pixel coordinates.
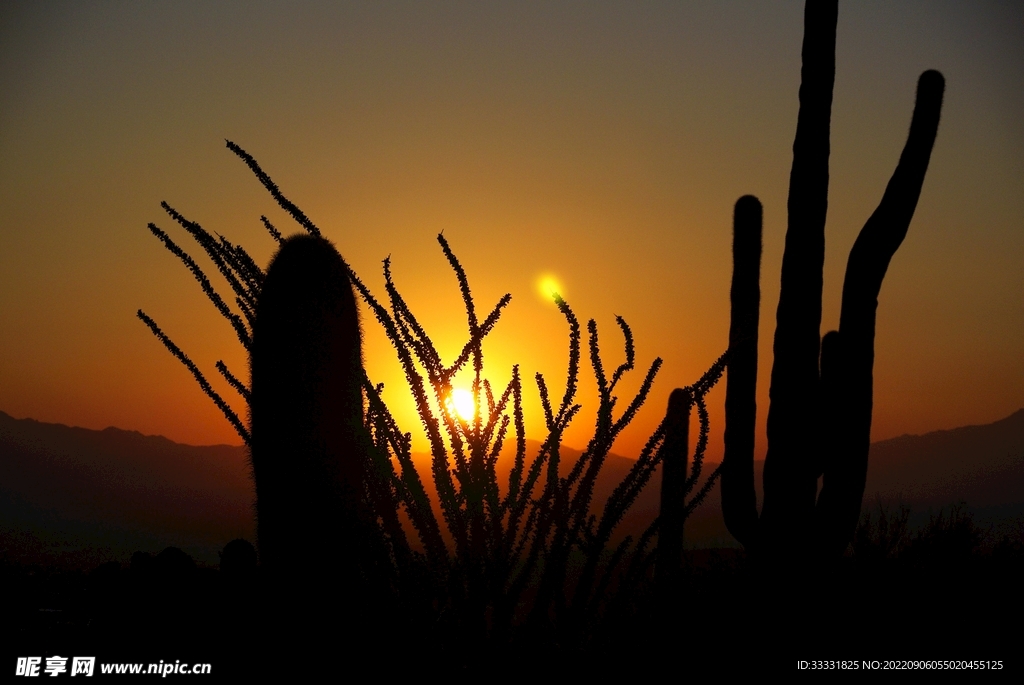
(548, 287)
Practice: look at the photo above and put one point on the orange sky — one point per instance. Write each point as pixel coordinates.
(601, 143)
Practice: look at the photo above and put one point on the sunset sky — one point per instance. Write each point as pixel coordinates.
(599, 144)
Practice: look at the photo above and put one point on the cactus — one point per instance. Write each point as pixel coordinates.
(306, 405)
(309, 454)
(819, 420)
(672, 514)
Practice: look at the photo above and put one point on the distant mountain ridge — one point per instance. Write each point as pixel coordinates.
(982, 465)
(97, 495)
(79, 496)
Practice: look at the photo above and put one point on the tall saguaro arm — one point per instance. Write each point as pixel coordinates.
(739, 501)
(790, 480)
(851, 402)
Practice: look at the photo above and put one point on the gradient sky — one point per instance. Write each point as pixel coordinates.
(600, 143)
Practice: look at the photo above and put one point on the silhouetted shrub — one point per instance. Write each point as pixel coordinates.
(107, 569)
(238, 558)
(949, 536)
(141, 564)
(884, 537)
(173, 563)
(1010, 547)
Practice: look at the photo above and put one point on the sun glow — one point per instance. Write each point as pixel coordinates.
(548, 287)
(462, 401)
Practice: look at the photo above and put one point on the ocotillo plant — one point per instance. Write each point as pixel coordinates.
(535, 552)
(819, 421)
(507, 542)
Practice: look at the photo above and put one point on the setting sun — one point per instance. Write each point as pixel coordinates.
(462, 400)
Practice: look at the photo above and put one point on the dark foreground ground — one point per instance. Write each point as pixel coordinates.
(942, 594)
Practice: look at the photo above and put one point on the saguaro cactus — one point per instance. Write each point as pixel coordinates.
(819, 421)
(307, 414)
(672, 516)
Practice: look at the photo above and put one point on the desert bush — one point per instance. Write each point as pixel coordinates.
(1010, 546)
(884, 537)
(951, 534)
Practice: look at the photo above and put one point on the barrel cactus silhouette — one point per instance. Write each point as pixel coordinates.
(306, 409)
(819, 420)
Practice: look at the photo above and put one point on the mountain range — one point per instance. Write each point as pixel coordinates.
(77, 497)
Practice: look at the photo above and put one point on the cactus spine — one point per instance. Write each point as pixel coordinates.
(819, 420)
